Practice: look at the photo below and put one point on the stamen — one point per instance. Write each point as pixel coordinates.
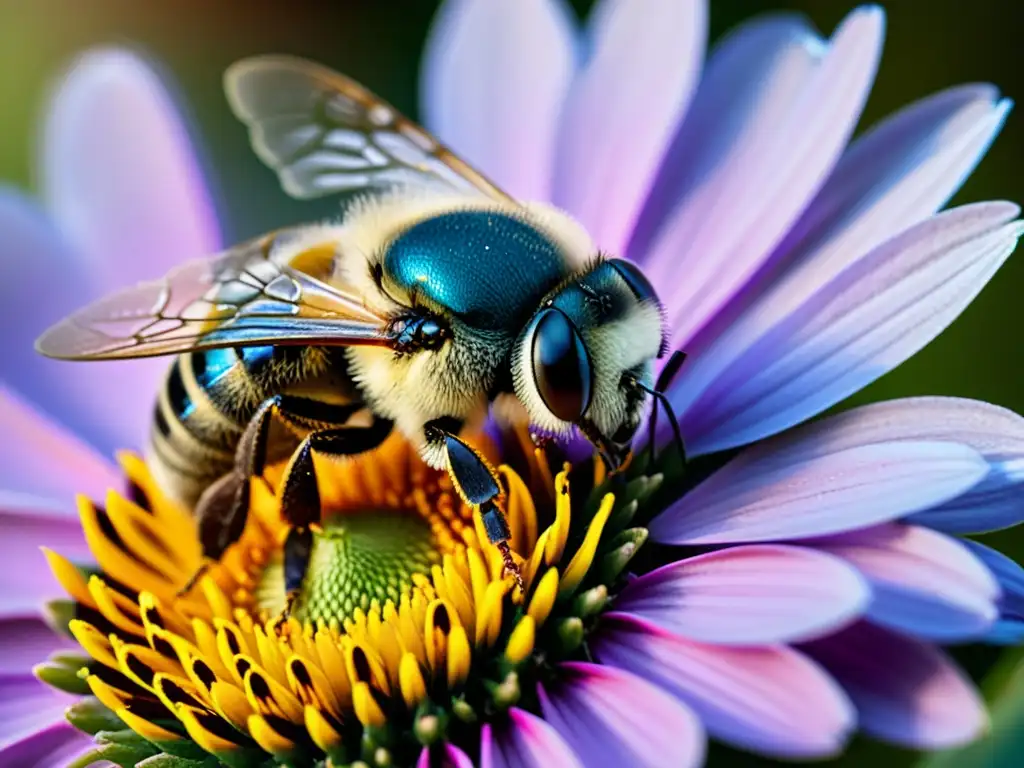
(405, 602)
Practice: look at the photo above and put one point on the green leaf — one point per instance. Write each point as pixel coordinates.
(1003, 746)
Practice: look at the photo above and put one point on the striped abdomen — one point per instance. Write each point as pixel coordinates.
(208, 398)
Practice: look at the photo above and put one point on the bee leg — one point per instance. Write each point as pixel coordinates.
(477, 484)
(222, 509)
(300, 495)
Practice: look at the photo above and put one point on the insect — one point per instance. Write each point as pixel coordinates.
(434, 300)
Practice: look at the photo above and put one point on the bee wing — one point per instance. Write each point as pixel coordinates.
(324, 133)
(240, 298)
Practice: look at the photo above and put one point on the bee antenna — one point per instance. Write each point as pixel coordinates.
(670, 370)
(652, 432)
(662, 398)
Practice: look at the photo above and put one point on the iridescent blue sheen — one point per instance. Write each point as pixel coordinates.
(489, 269)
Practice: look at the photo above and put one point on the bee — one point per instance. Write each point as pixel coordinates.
(434, 300)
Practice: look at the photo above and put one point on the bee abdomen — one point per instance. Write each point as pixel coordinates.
(207, 399)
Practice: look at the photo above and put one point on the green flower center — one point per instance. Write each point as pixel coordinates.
(356, 560)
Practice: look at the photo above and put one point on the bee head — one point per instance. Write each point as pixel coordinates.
(585, 359)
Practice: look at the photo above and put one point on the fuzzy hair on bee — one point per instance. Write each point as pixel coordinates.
(454, 381)
(434, 300)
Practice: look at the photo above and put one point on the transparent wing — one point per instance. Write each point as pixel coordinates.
(239, 298)
(324, 133)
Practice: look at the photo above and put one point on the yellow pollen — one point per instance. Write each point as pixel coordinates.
(215, 667)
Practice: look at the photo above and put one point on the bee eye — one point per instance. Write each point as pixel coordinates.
(561, 366)
(635, 279)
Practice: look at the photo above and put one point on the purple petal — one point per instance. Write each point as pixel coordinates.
(753, 595)
(40, 282)
(622, 109)
(752, 78)
(997, 501)
(823, 332)
(524, 741)
(27, 706)
(723, 231)
(56, 744)
(112, 129)
(996, 433)
(905, 691)
(1006, 632)
(493, 82)
(897, 174)
(818, 480)
(1010, 576)
(25, 643)
(923, 583)
(771, 700)
(894, 176)
(26, 580)
(610, 717)
(38, 458)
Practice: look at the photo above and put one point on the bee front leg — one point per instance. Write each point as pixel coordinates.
(300, 495)
(477, 484)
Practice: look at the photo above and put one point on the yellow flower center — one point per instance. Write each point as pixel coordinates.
(404, 598)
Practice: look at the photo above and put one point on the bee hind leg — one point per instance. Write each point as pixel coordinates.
(223, 508)
(300, 495)
(477, 484)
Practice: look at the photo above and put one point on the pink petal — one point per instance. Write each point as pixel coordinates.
(493, 81)
(815, 481)
(451, 757)
(56, 744)
(752, 595)
(924, 583)
(610, 717)
(821, 333)
(623, 108)
(119, 172)
(724, 232)
(26, 707)
(524, 741)
(25, 643)
(905, 691)
(39, 458)
(771, 700)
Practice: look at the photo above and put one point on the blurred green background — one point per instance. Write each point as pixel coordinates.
(930, 45)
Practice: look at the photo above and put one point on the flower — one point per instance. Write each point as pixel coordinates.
(801, 576)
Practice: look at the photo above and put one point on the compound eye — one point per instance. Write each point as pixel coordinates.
(561, 366)
(636, 280)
